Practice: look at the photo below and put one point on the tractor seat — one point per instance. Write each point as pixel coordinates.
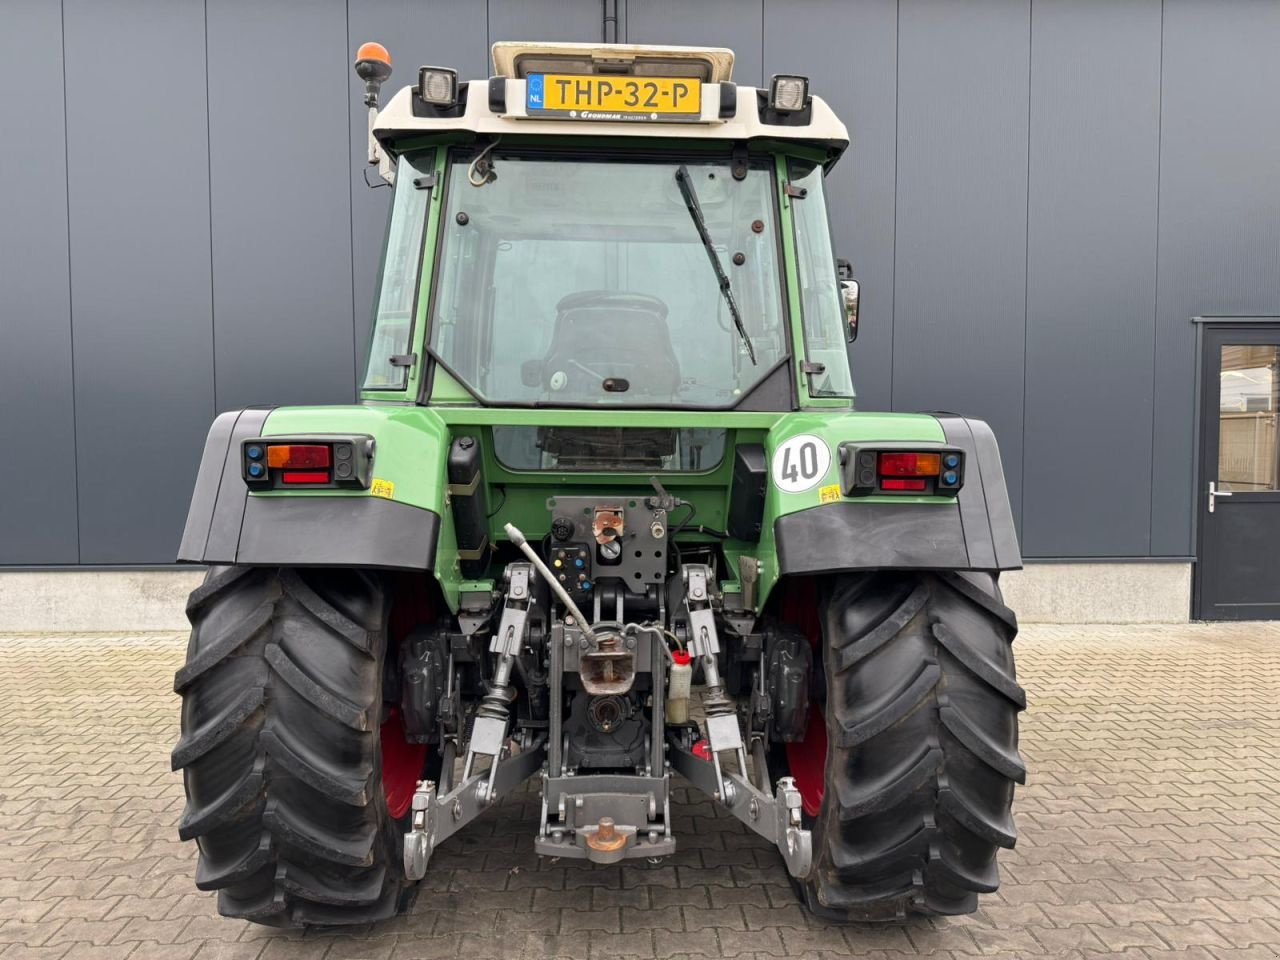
(611, 333)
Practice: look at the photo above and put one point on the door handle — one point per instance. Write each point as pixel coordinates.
(1214, 493)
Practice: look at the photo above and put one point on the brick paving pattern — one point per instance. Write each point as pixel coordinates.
(1150, 828)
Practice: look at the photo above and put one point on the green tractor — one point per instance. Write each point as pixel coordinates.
(605, 513)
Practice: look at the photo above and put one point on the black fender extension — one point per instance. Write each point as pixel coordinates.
(974, 532)
(226, 525)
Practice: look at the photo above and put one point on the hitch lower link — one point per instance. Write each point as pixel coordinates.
(438, 813)
(775, 817)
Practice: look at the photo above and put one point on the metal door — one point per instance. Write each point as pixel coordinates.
(1238, 557)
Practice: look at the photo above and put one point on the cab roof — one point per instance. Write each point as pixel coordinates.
(489, 109)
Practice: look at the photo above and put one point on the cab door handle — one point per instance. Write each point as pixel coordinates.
(1214, 493)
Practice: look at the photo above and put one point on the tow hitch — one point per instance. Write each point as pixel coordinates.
(607, 816)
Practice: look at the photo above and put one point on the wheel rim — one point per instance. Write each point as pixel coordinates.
(807, 762)
(402, 764)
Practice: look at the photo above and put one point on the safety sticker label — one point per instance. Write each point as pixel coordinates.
(383, 488)
(829, 493)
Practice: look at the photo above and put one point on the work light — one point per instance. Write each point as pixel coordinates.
(438, 85)
(788, 94)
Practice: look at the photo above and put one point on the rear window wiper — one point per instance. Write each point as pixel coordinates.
(685, 183)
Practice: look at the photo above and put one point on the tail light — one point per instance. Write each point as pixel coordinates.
(910, 464)
(329, 461)
(899, 468)
(297, 456)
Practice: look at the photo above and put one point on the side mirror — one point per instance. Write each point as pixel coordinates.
(849, 292)
(531, 373)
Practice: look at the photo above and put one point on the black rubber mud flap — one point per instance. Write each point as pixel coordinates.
(280, 749)
(922, 757)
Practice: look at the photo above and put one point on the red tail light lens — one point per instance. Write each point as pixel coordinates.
(909, 465)
(297, 456)
(305, 476)
(894, 483)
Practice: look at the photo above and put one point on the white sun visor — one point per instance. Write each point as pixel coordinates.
(521, 59)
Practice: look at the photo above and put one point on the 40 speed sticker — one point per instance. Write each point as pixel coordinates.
(799, 463)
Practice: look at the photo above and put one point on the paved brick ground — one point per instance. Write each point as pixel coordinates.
(1149, 829)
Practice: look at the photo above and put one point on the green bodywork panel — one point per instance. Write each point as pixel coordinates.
(412, 444)
(413, 432)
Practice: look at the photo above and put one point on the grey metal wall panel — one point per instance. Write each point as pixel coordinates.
(960, 285)
(566, 20)
(441, 33)
(852, 64)
(736, 24)
(1219, 216)
(137, 161)
(1095, 133)
(972, 279)
(38, 509)
(281, 203)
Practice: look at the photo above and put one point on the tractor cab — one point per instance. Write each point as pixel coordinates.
(609, 226)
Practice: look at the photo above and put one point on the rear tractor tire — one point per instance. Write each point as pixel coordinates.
(908, 779)
(298, 779)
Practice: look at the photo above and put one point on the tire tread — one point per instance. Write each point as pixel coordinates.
(279, 747)
(922, 704)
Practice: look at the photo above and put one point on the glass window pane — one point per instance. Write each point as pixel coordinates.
(585, 282)
(1248, 404)
(610, 449)
(393, 322)
(825, 330)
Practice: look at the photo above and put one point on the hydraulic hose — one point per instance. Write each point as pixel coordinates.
(526, 548)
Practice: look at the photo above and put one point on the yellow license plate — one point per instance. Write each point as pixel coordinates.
(614, 98)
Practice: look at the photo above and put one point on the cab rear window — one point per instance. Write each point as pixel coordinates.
(610, 449)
